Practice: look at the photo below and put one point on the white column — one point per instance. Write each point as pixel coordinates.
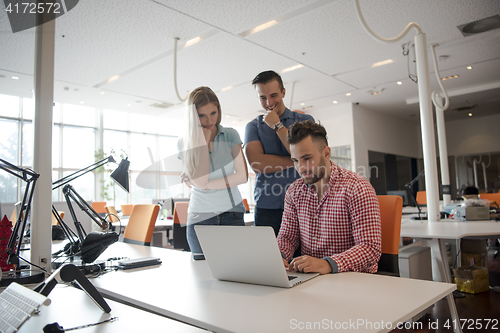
(41, 215)
(443, 153)
(427, 124)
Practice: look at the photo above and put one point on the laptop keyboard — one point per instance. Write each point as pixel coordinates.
(291, 277)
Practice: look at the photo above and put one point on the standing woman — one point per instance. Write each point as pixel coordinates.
(213, 166)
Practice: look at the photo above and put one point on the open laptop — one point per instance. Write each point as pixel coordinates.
(246, 254)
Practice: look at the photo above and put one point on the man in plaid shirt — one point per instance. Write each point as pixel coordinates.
(331, 212)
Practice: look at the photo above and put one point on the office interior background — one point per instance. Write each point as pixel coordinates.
(114, 86)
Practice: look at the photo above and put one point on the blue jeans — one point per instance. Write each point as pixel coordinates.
(268, 217)
(271, 217)
(226, 218)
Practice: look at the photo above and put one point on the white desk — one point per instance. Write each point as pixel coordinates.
(185, 290)
(436, 234)
(71, 307)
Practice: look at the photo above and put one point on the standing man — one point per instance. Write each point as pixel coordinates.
(268, 152)
(332, 212)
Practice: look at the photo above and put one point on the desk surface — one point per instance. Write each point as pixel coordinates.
(184, 289)
(71, 307)
(449, 229)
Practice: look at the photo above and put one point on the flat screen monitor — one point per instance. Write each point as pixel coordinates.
(402, 194)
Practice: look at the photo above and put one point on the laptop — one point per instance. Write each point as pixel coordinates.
(246, 254)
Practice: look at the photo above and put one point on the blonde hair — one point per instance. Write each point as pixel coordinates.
(199, 97)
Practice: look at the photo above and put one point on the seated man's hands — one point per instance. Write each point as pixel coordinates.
(285, 262)
(307, 264)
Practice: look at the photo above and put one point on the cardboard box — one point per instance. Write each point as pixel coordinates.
(477, 213)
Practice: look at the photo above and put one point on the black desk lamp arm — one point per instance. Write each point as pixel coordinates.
(71, 194)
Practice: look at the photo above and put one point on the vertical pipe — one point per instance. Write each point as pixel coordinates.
(427, 124)
(474, 168)
(41, 232)
(485, 178)
(443, 154)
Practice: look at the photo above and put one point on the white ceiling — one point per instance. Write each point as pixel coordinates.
(135, 39)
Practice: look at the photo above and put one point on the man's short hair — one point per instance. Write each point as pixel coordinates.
(268, 76)
(301, 130)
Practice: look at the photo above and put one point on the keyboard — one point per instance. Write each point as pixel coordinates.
(18, 304)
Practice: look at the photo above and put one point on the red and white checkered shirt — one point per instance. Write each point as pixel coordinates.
(345, 225)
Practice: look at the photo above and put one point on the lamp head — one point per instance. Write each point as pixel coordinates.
(96, 243)
(120, 175)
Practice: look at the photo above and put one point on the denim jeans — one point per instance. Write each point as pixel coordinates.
(268, 217)
(271, 217)
(226, 218)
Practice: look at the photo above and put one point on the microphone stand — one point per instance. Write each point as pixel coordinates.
(409, 187)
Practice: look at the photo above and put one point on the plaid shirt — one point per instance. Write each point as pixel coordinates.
(345, 225)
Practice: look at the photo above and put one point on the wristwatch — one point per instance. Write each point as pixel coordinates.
(278, 126)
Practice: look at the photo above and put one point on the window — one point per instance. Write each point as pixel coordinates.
(10, 106)
(79, 115)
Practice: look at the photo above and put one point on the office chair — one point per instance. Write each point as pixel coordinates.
(422, 198)
(98, 206)
(141, 225)
(112, 213)
(391, 210)
(54, 220)
(180, 224)
(247, 208)
(127, 209)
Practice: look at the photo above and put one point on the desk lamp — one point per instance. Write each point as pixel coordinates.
(409, 186)
(16, 238)
(88, 246)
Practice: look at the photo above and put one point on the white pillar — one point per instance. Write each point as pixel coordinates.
(443, 153)
(41, 213)
(427, 124)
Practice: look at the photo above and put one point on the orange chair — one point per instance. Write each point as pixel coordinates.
(141, 225)
(127, 209)
(422, 198)
(112, 213)
(247, 208)
(492, 197)
(98, 206)
(54, 220)
(391, 210)
(179, 227)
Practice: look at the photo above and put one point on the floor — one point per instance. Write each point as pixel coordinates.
(475, 310)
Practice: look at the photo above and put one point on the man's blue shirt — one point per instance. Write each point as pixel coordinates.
(270, 188)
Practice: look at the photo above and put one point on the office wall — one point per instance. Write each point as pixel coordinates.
(338, 123)
(473, 135)
(378, 132)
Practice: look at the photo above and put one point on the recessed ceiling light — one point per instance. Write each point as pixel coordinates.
(227, 116)
(399, 83)
(82, 102)
(260, 27)
(15, 78)
(382, 63)
(334, 102)
(129, 104)
(102, 92)
(449, 77)
(226, 88)
(113, 78)
(470, 114)
(302, 103)
(348, 94)
(289, 69)
(192, 41)
(469, 67)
